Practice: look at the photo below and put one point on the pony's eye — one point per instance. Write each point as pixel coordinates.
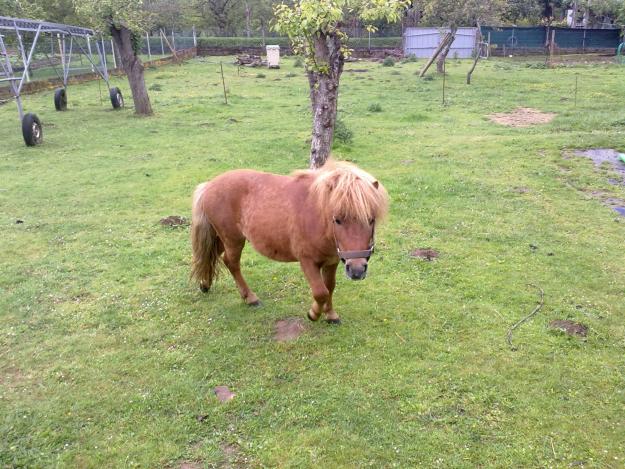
(337, 221)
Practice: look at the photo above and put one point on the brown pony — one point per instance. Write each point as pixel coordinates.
(316, 217)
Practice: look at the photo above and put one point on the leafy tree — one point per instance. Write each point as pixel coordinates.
(316, 31)
(124, 20)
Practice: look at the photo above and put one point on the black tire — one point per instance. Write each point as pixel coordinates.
(117, 100)
(60, 99)
(32, 130)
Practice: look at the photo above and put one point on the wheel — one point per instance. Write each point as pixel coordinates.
(32, 130)
(117, 100)
(60, 99)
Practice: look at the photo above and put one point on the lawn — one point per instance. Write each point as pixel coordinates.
(109, 356)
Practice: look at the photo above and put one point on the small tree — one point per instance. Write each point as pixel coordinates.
(455, 13)
(124, 20)
(316, 31)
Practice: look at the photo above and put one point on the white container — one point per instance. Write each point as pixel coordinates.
(273, 56)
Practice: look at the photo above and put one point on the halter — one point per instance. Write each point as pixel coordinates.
(344, 255)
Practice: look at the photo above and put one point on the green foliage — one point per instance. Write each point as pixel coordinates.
(342, 133)
(388, 62)
(261, 75)
(375, 107)
(105, 14)
(410, 58)
(299, 62)
(156, 87)
(307, 20)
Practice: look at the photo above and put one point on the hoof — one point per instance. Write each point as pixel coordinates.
(311, 317)
(255, 304)
(203, 288)
(336, 321)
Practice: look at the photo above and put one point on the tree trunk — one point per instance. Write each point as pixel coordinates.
(324, 93)
(440, 62)
(133, 68)
(434, 55)
(248, 20)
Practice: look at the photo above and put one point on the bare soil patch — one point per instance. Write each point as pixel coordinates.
(426, 254)
(569, 327)
(288, 329)
(522, 117)
(223, 393)
(174, 220)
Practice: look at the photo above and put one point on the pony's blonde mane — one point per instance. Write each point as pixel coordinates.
(346, 191)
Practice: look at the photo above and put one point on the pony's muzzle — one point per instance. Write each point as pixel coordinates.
(356, 269)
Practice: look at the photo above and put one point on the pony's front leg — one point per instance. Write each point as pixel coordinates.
(320, 292)
(328, 272)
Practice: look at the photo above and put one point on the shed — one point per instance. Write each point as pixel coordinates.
(422, 42)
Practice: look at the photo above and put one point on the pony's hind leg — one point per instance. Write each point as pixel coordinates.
(232, 259)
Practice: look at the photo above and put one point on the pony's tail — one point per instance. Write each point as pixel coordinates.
(206, 244)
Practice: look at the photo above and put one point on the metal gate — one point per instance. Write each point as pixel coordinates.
(422, 42)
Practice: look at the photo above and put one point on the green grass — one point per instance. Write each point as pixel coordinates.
(108, 354)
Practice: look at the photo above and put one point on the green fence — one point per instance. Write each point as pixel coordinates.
(565, 38)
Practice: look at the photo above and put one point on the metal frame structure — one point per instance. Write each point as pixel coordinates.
(67, 36)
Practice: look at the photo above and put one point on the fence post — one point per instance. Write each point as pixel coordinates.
(147, 38)
(584, 42)
(173, 41)
(162, 46)
(194, 37)
(113, 54)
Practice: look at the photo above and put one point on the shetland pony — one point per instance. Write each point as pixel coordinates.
(317, 217)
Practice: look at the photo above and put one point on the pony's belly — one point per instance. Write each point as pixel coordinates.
(274, 251)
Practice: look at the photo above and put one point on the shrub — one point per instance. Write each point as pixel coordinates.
(156, 87)
(261, 75)
(342, 134)
(375, 107)
(410, 58)
(299, 62)
(389, 62)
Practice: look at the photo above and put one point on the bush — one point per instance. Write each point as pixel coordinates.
(261, 75)
(342, 134)
(299, 62)
(375, 107)
(156, 87)
(410, 58)
(389, 62)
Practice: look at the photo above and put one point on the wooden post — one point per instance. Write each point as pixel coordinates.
(223, 82)
(551, 46)
(194, 37)
(438, 50)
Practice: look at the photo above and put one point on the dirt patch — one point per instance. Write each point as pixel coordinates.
(569, 327)
(522, 117)
(426, 254)
(521, 190)
(191, 465)
(223, 393)
(174, 220)
(288, 329)
(357, 70)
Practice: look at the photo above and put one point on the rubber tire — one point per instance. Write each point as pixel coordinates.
(117, 100)
(60, 99)
(32, 130)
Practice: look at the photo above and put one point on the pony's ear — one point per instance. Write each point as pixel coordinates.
(376, 184)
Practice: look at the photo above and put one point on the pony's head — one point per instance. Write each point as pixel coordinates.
(351, 202)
